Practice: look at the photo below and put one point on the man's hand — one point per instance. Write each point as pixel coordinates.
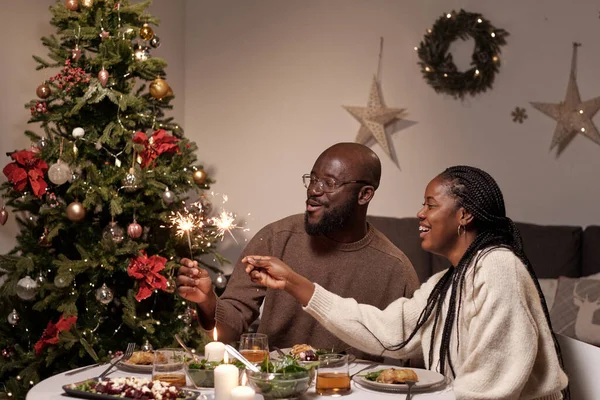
(194, 283)
(267, 271)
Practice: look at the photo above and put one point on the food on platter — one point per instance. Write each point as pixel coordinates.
(304, 352)
(131, 388)
(392, 375)
(142, 358)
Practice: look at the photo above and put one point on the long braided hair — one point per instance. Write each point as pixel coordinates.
(477, 192)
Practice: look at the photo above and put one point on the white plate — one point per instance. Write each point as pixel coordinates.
(143, 369)
(427, 380)
(274, 355)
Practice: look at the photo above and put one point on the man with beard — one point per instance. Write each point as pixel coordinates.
(332, 245)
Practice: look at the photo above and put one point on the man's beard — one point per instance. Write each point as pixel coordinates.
(333, 220)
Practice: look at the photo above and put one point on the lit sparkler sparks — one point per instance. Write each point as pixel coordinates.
(186, 222)
(225, 222)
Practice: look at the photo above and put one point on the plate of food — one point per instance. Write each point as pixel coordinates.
(385, 379)
(305, 353)
(139, 362)
(127, 388)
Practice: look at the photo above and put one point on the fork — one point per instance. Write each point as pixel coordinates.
(126, 356)
(410, 385)
(374, 364)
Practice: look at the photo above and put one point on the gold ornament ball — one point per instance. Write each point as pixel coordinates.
(87, 3)
(43, 91)
(75, 211)
(159, 88)
(146, 32)
(199, 176)
(72, 5)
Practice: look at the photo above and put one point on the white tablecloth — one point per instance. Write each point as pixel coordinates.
(51, 388)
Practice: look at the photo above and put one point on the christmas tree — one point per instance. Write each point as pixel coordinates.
(103, 199)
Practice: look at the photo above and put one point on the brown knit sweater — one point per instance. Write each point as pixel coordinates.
(371, 270)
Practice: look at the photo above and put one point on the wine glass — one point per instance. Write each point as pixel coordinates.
(254, 346)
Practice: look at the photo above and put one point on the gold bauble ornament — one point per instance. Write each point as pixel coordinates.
(87, 3)
(43, 91)
(159, 88)
(199, 176)
(72, 5)
(146, 32)
(75, 211)
(169, 92)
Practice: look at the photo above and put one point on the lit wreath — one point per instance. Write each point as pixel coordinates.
(436, 62)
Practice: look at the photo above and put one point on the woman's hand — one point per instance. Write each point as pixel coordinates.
(275, 274)
(267, 271)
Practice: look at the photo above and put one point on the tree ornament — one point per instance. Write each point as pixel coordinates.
(87, 3)
(42, 143)
(60, 172)
(519, 115)
(26, 288)
(75, 211)
(155, 42)
(41, 279)
(104, 294)
(147, 346)
(103, 77)
(146, 32)
(159, 88)
(78, 132)
(3, 216)
(171, 285)
(62, 281)
(187, 316)
(141, 53)
(43, 91)
(44, 240)
(76, 53)
(104, 34)
(199, 176)
(168, 196)
(220, 281)
(131, 182)
(134, 230)
(437, 65)
(13, 319)
(113, 233)
(72, 5)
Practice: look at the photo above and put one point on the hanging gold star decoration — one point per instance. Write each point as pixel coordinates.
(573, 116)
(373, 118)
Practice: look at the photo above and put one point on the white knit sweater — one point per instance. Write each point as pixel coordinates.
(506, 349)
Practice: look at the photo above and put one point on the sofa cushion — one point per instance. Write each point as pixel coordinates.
(576, 309)
(590, 253)
(404, 233)
(553, 250)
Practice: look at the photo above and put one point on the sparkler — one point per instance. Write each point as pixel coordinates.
(186, 222)
(225, 222)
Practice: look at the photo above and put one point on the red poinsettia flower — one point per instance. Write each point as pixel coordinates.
(160, 142)
(27, 168)
(146, 270)
(50, 335)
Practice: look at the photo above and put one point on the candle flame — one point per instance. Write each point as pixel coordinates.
(215, 333)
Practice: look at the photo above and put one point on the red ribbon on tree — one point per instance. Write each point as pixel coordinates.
(159, 143)
(27, 168)
(50, 335)
(146, 270)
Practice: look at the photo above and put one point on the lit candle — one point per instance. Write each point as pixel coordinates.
(214, 351)
(226, 379)
(242, 392)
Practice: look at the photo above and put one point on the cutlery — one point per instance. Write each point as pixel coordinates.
(78, 370)
(126, 356)
(279, 351)
(233, 352)
(374, 364)
(187, 349)
(410, 384)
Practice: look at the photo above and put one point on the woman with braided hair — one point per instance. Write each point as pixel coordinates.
(483, 322)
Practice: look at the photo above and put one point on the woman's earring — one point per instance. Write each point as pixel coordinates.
(461, 232)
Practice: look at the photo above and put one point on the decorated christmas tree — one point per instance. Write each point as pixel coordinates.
(108, 198)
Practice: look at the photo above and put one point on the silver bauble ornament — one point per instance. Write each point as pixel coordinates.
(104, 294)
(42, 143)
(131, 182)
(113, 233)
(147, 346)
(62, 281)
(75, 211)
(155, 42)
(87, 3)
(13, 317)
(76, 53)
(60, 172)
(187, 316)
(141, 53)
(134, 230)
(168, 196)
(41, 279)
(220, 281)
(78, 132)
(26, 288)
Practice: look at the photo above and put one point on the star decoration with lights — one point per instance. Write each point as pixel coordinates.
(573, 116)
(374, 117)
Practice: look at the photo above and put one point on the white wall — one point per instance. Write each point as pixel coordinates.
(260, 85)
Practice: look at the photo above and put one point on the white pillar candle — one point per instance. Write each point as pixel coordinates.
(214, 351)
(242, 393)
(226, 379)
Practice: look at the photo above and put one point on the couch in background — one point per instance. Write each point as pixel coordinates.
(566, 259)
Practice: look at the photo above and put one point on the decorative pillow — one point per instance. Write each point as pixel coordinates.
(576, 309)
(548, 287)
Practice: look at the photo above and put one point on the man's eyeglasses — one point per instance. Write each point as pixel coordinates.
(326, 185)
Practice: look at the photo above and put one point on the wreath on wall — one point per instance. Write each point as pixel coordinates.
(436, 62)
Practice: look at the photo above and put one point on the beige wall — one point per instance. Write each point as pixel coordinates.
(260, 85)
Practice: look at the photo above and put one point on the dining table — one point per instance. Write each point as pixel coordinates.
(52, 387)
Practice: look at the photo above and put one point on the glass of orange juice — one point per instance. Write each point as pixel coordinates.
(169, 367)
(333, 375)
(254, 346)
